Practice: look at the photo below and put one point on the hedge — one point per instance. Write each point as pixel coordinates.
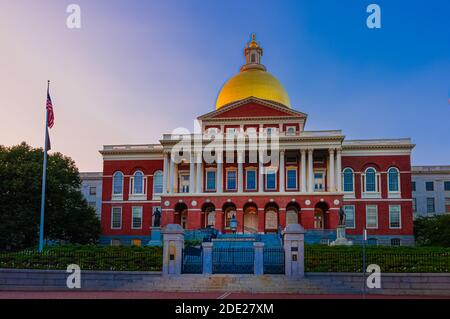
(319, 258)
(88, 257)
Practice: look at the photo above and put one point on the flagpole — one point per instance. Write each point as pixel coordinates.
(44, 175)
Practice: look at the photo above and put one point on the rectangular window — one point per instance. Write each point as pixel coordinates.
(116, 218)
(231, 180)
(212, 131)
(136, 222)
(136, 242)
(371, 216)
(250, 180)
(447, 204)
(414, 205)
(349, 216)
(430, 205)
(291, 177)
(92, 190)
(270, 130)
(447, 186)
(184, 183)
(211, 180)
(318, 182)
(429, 186)
(271, 180)
(413, 186)
(394, 216)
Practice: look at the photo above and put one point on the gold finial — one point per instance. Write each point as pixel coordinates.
(253, 43)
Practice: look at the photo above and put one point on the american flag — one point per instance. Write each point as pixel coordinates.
(50, 115)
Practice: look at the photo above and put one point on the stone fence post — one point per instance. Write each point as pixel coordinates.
(294, 252)
(258, 248)
(173, 244)
(207, 257)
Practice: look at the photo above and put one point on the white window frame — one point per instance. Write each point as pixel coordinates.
(231, 131)
(274, 172)
(399, 217)
(138, 196)
(291, 127)
(367, 216)
(291, 168)
(156, 194)
(112, 217)
(208, 170)
(370, 194)
(354, 216)
(227, 170)
(211, 131)
(246, 179)
(117, 196)
(352, 192)
(324, 178)
(141, 209)
(394, 194)
(180, 181)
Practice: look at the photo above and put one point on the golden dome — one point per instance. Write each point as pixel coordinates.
(253, 80)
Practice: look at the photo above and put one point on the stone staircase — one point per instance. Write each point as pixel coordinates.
(245, 283)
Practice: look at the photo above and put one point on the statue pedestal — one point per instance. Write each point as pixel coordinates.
(156, 238)
(341, 240)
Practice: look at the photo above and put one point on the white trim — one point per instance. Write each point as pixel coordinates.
(394, 194)
(399, 216)
(377, 200)
(112, 217)
(367, 206)
(354, 216)
(141, 216)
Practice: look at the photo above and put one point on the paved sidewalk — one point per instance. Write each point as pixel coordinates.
(187, 295)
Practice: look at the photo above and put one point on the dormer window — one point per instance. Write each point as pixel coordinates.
(291, 130)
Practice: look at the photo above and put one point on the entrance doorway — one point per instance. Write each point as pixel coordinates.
(250, 219)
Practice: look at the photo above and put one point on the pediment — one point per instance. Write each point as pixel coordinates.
(252, 108)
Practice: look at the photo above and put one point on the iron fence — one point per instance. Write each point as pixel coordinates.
(192, 260)
(235, 260)
(273, 260)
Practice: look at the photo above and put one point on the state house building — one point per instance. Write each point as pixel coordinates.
(317, 173)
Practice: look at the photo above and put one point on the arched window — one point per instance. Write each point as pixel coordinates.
(371, 180)
(138, 183)
(157, 183)
(393, 180)
(117, 183)
(348, 180)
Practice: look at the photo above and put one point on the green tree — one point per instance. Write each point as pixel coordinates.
(432, 231)
(68, 217)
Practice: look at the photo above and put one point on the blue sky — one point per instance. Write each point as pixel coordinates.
(137, 69)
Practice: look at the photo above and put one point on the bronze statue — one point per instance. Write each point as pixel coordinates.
(341, 216)
(157, 215)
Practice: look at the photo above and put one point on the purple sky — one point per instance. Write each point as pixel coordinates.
(138, 69)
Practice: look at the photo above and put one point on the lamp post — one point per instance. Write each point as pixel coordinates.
(233, 224)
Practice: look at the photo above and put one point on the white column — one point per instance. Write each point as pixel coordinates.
(165, 168)
(240, 159)
(310, 171)
(282, 172)
(171, 175)
(339, 170)
(303, 171)
(331, 173)
(219, 173)
(260, 173)
(192, 173)
(199, 173)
